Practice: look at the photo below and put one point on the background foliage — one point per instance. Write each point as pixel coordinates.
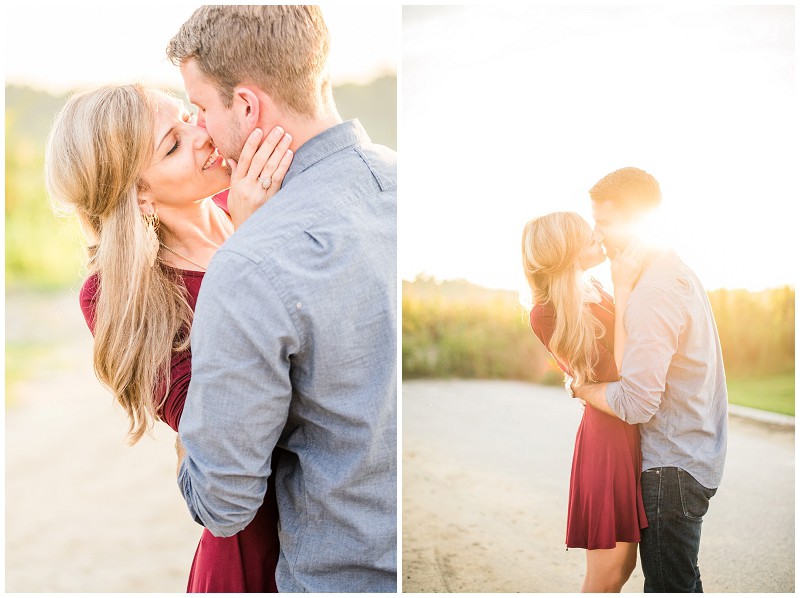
(454, 329)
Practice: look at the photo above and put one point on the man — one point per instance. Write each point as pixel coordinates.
(672, 383)
(294, 336)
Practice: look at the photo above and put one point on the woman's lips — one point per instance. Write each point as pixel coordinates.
(214, 160)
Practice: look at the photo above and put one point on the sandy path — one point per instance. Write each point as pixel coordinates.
(84, 512)
(485, 478)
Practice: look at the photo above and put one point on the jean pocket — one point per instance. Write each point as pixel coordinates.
(694, 496)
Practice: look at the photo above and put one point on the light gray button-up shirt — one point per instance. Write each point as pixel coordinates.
(673, 380)
(294, 345)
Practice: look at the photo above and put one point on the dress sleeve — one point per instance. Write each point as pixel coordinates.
(543, 323)
(88, 300)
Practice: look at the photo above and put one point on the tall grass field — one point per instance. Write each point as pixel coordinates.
(454, 329)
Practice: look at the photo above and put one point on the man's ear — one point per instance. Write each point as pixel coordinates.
(249, 105)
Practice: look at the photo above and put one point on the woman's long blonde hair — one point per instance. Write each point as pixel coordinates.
(100, 144)
(551, 246)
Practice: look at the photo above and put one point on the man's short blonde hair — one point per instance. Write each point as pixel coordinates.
(631, 189)
(282, 49)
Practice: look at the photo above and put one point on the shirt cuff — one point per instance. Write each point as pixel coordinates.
(185, 485)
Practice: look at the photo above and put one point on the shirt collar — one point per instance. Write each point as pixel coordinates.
(335, 139)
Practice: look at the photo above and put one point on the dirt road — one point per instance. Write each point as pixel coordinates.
(485, 479)
(485, 473)
(84, 511)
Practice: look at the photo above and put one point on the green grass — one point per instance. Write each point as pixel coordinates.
(770, 393)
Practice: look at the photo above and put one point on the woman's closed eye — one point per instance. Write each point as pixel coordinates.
(175, 147)
(187, 118)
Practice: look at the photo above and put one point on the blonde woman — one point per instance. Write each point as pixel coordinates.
(575, 319)
(140, 177)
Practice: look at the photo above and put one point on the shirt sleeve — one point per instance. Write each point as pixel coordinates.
(654, 320)
(243, 341)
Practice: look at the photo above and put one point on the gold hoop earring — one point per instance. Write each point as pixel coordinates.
(151, 223)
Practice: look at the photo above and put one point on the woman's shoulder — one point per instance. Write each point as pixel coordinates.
(543, 320)
(90, 284)
(221, 200)
(541, 311)
(88, 298)
(89, 290)
(606, 299)
(600, 288)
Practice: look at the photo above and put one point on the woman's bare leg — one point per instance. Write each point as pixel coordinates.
(607, 570)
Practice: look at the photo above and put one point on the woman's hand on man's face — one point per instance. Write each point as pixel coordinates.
(259, 173)
(626, 266)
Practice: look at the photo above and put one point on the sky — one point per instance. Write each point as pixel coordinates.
(57, 47)
(510, 112)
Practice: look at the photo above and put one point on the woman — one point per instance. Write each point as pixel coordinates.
(581, 326)
(140, 177)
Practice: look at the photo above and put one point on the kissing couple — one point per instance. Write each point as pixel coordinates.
(242, 289)
(647, 365)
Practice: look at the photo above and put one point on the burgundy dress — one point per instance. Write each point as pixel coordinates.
(242, 563)
(605, 494)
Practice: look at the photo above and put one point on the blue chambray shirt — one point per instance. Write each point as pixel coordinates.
(294, 345)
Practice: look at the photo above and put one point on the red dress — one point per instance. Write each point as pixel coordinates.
(242, 563)
(605, 494)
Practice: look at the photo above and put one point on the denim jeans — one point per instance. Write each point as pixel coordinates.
(675, 504)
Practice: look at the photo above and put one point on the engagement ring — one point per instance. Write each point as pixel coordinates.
(265, 183)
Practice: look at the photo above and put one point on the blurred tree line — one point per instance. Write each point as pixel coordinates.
(44, 251)
(455, 329)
